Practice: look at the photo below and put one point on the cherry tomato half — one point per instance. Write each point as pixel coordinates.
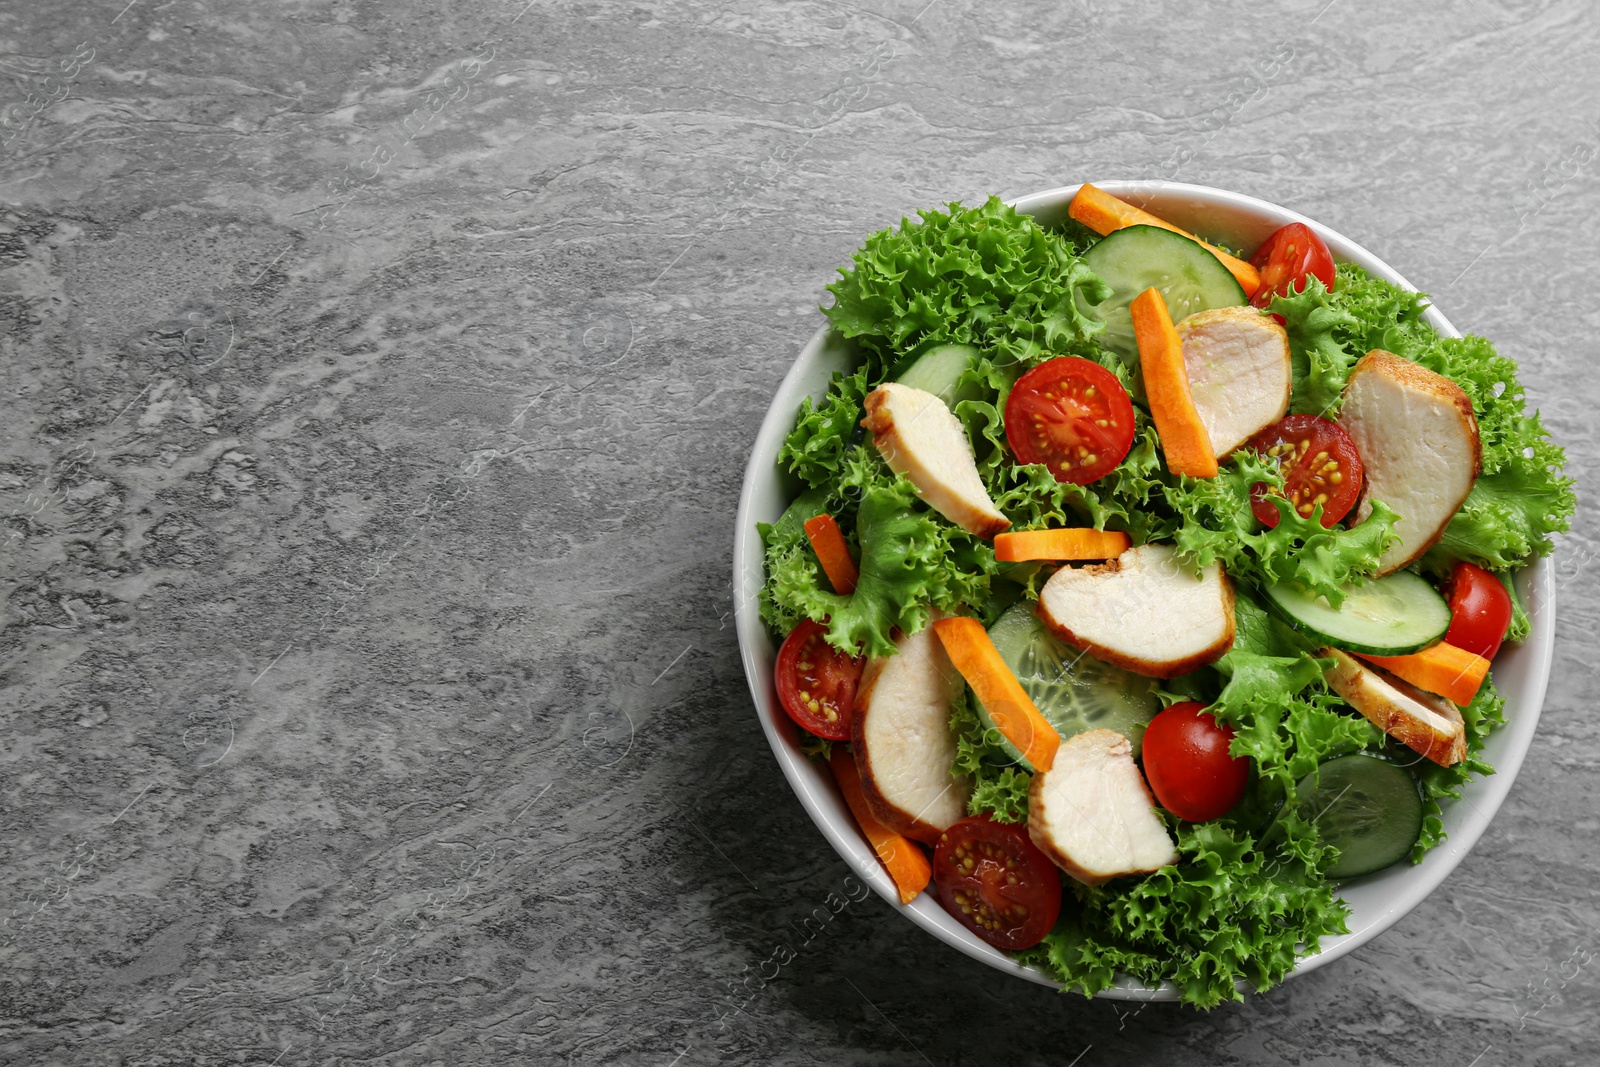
(1320, 465)
(1285, 259)
(1071, 415)
(1186, 760)
(817, 683)
(1480, 610)
(996, 882)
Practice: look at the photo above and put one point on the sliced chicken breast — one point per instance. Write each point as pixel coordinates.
(1092, 813)
(1143, 611)
(1429, 724)
(1418, 441)
(920, 438)
(902, 739)
(1239, 372)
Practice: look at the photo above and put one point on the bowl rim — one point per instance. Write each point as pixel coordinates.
(1482, 796)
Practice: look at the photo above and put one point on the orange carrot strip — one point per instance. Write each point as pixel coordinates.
(1023, 545)
(1445, 669)
(906, 862)
(829, 545)
(1184, 440)
(1103, 213)
(974, 655)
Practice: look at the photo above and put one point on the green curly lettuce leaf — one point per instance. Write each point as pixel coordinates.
(1522, 498)
(1521, 626)
(999, 785)
(1506, 520)
(1320, 361)
(1226, 911)
(1482, 716)
(823, 434)
(909, 563)
(1218, 525)
(985, 276)
(1283, 716)
(814, 747)
(792, 568)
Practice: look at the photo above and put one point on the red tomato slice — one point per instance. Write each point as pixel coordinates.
(817, 683)
(996, 882)
(1286, 258)
(1480, 610)
(1071, 415)
(1320, 465)
(1187, 763)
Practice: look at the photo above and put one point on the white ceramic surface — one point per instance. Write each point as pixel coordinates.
(1376, 901)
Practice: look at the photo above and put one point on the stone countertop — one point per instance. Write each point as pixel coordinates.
(377, 385)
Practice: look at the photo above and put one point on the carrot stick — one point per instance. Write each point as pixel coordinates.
(1184, 440)
(1059, 544)
(1103, 213)
(829, 545)
(1445, 669)
(974, 655)
(906, 862)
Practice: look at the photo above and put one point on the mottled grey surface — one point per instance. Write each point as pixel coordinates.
(377, 383)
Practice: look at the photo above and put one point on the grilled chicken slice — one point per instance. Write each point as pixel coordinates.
(1092, 813)
(920, 438)
(1418, 441)
(1431, 725)
(1143, 611)
(1239, 372)
(902, 739)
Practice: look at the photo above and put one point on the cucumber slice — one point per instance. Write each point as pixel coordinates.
(1388, 616)
(1074, 691)
(1367, 808)
(938, 370)
(1135, 258)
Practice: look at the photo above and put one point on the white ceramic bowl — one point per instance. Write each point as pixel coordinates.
(1376, 901)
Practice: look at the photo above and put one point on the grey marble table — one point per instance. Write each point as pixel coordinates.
(377, 381)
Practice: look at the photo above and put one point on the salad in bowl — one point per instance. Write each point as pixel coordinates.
(1135, 594)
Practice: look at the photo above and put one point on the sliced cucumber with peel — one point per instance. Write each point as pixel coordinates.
(1073, 690)
(1137, 258)
(1367, 808)
(938, 370)
(1394, 615)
